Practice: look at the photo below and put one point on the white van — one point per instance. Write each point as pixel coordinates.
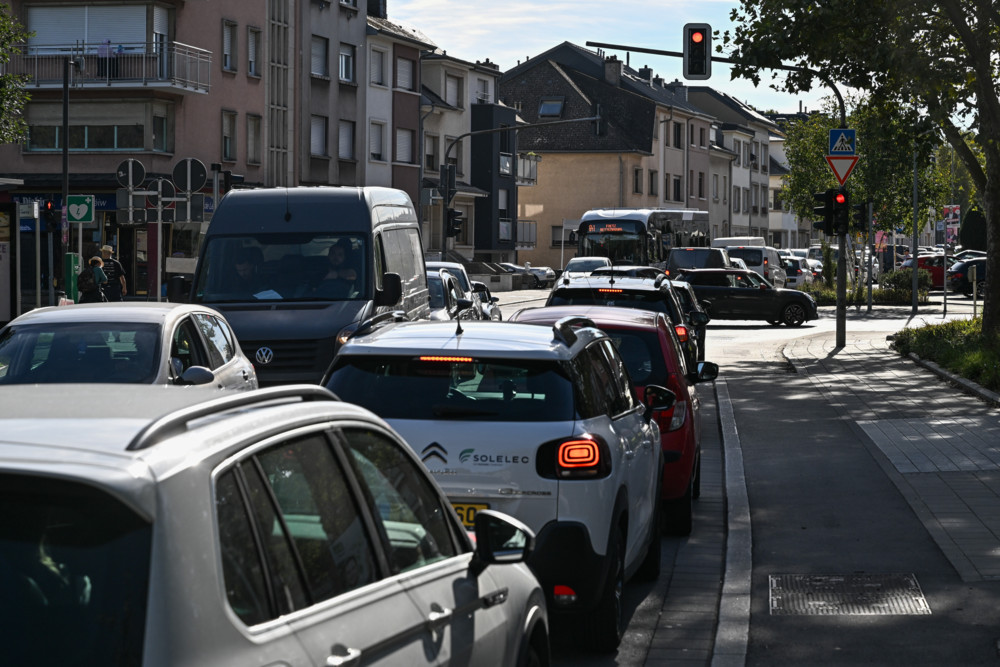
(762, 259)
(726, 241)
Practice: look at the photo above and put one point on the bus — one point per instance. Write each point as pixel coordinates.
(640, 236)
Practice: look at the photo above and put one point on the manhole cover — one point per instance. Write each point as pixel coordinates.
(846, 595)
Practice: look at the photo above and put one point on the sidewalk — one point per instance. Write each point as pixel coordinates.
(939, 445)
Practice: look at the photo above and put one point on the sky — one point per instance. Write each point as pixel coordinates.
(511, 31)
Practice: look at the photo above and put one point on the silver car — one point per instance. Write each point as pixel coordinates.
(274, 527)
(125, 342)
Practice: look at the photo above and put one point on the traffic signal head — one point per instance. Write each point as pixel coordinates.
(50, 215)
(823, 212)
(859, 220)
(697, 51)
(841, 210)
(455, 221)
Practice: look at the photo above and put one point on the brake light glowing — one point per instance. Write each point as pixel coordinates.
(682, 332)
(447, 359)
(563, 594)
(609, 291)
(579, 454)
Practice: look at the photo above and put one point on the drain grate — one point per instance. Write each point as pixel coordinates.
(846, 595)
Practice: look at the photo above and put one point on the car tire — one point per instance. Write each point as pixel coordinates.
(606, 623)
(678, 513)
(532, 658)
(793, 315)
(536, 283)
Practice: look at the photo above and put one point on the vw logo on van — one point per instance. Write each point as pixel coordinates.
(265, 355)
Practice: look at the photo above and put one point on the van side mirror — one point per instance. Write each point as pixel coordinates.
(392, 290)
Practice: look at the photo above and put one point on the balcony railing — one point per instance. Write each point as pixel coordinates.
(157, 64)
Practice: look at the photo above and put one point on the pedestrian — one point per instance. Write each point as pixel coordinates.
(91, 282)
(116, 289)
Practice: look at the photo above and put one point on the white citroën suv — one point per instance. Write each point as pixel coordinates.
(540, 423)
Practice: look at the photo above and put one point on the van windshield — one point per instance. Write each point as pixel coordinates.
(283, 267)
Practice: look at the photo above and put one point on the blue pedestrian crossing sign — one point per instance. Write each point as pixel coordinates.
(842, 142)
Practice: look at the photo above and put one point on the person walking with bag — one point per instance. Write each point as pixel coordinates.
(91, 280)
(116, 290)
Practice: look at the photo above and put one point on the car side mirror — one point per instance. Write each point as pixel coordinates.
(707, 371)
(657, 397)
(196, 375)
(698, 318)
(501, 538)
(478, 287)
(462, 304)
(392, 290)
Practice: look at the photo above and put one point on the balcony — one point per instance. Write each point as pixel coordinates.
(168, 65)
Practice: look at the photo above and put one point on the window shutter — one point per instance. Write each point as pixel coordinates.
(318, 57)
(404, 145)
(451, 91)
(252, 45)
(227, 39)
(317, 137)
(404, 73)
(345, 150)
(377, 67)
(161, 24)
(375, 142)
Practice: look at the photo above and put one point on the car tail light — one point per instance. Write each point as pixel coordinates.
(577, 457)
(682, 332)
(563, 594)
(672, 419)
(612, 291)
(446, 359)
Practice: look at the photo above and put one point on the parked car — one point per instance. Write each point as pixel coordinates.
(962, 255)
(124, 342)
(960, 276)
(541, 423)
(738, 263)
(447, 298)
(537, 276)
(479, 310)
(691, 305)
(628, 271)
(696, 258)
(274, 526)
(745, 295)
(797, 272)
(932, 263)
(642, 293)
(582, 266)
(649, 347)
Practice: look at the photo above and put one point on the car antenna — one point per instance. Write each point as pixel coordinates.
(458, 328)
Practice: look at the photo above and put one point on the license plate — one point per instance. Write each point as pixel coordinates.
(467, 512)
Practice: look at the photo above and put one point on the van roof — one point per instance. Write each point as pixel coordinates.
(303, 208)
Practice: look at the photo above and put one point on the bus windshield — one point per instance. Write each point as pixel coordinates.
(622, 241)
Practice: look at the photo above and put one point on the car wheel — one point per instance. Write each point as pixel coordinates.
(677, 513)
(980, 288)
(536, 282)
(606, 622)
(532, 658)
(793, 315)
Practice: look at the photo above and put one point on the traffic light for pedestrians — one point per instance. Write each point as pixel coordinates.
(50, 215)
(455, 221)
(841, 210)
(697, 51)
(823, 213)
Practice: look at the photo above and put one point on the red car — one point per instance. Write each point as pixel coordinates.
(648, 345)
(933, 264)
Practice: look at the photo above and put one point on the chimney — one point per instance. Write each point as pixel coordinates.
(377, 9)
(646, 73)
(658, 81)
(678, 88)
(613, 69)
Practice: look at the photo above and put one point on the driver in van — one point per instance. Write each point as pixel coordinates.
(341, 266)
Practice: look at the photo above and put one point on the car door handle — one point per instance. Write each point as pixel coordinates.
(351, 656)
(438, 617)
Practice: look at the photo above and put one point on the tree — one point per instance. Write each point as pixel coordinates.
(937, 57)
(13, 94)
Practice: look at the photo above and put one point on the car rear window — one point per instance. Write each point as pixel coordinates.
(696, 258)
(455, 388)
(80, 352)
(585, 265)
(752, 256)
(74, 570)
(644, 300)
(642, 354)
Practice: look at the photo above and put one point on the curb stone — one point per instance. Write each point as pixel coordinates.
(968, 385)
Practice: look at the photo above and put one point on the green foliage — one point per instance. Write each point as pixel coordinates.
(881, 296)
(902, 280)
(959, 346)
(13, 94)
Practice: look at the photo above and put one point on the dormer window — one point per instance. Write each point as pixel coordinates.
(550, 107)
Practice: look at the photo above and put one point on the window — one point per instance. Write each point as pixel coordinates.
(430, 152)
(725, 189)
(654, 181)
(345, 140)
(319, 61)
(737, 150)
(455, 156)
(377, 68)
(229, 46)
(229, 136)
(637, 180)
(715, 187)
(376, 141)
(550, 107)
(764, 164)
(701, 137)
(347, 63)
(502, 198)
(736, 199)
(656, 127)
(677, 189)
(746, 153)
(453, 90)
(404, 145)
(160, 139)
(254, 146)
(253, 44)
(691, 134)
(482, 91)
(746, 199)
(691, 183)
(677, 136)
(405, 74)
(317, 136)
(701, 185)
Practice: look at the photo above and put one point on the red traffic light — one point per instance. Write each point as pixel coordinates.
(48, 206)
(840, 198)
(697, 36)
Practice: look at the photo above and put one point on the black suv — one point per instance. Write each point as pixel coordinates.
(643, 293)
(738, 294)
(696, 258)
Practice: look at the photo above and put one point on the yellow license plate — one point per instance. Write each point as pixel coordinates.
(467, 512)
